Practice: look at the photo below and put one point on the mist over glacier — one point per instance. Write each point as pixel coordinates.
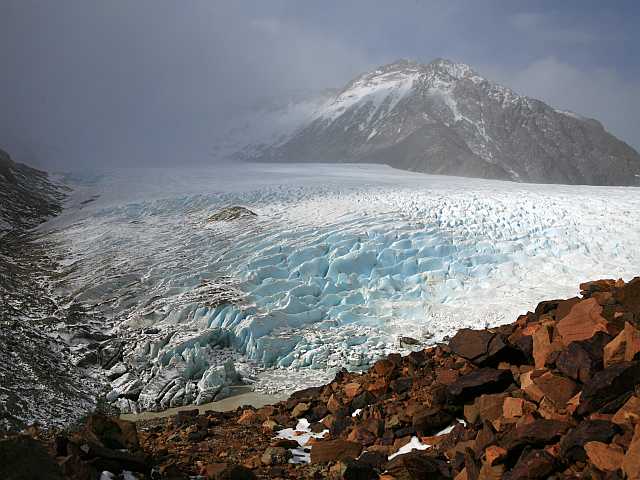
(338, 263)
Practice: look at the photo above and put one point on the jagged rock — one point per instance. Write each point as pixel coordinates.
(629, 413)
(430, 421)
(624, 347)
(572, 444)
(539, 432)
(583, 322)
(629, 295)
(300, 409)
(608, 385)
(556, 388)
(582, 359)
(417, 466)
(631, 461)
(533, 465)
(356, 470)
(224, 471)
(544, 344)
(275, 455)
(478, 346)
(332, 450)
(607, 458)
(483, 380)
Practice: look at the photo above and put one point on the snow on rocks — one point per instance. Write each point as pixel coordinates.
(301, 434)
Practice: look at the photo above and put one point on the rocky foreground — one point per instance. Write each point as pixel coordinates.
(556, 394)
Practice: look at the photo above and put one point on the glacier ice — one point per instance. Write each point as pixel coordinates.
(339, 262)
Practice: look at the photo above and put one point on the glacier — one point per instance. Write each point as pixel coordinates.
(338, 263)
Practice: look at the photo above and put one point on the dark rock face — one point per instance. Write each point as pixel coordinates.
(444, 118)
(418, 465)
(483, 380)
(24, 458)
(608, 385)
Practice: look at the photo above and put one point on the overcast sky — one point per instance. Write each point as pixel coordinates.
(127, 82)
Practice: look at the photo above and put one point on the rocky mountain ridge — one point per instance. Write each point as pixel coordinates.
(444, 118)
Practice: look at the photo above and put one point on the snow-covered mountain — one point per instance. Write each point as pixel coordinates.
(445, 118)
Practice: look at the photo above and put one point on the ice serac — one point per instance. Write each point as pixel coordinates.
(444, 118)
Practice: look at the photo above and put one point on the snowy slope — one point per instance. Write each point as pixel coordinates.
(339, 262)
(445, 118)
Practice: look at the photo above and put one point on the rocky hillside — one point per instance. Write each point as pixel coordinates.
(556, 394)
(27, 196)
(445, 118)
(38, 380)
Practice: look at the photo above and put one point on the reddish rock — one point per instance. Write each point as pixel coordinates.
(629, 295)
(362, 436)
(624, 347)
(334, 405)
(494, 454)
(605, 285)
(572, 444)
(418, 466)
(609, 385)
(384, 367)
(332, 450)
(631, 461)
(490, 406)
(536, 464)
(583, 322)
(352, 389)
(629, 413)
(248, 417)
(556, 388)
(543, 344)
(537, 433)
(581, 360)
(483, 380)
(430, 421)
(482, 347)
(607, 458)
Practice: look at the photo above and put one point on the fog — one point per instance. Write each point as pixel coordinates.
(93, 83)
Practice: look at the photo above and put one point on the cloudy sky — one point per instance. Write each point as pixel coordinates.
(122, 82)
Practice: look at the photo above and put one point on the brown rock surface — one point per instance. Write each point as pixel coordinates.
(582, 322)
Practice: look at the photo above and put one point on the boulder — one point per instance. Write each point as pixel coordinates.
(607, 458)
(631, 461)
(572, 444)
(483, 380)
(608, 385)
(417, 466)
(624, 347)
(533, 465)
(431, 420)
(478, 346)
(225, 471)
(556, 388)
(582, 359)
(629, 295)
(629, 413)
(332, 450)
(582, 322)
(539, 432)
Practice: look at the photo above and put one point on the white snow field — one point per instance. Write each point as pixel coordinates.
(340, 261)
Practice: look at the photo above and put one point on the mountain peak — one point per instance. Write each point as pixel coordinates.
(443, 117)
